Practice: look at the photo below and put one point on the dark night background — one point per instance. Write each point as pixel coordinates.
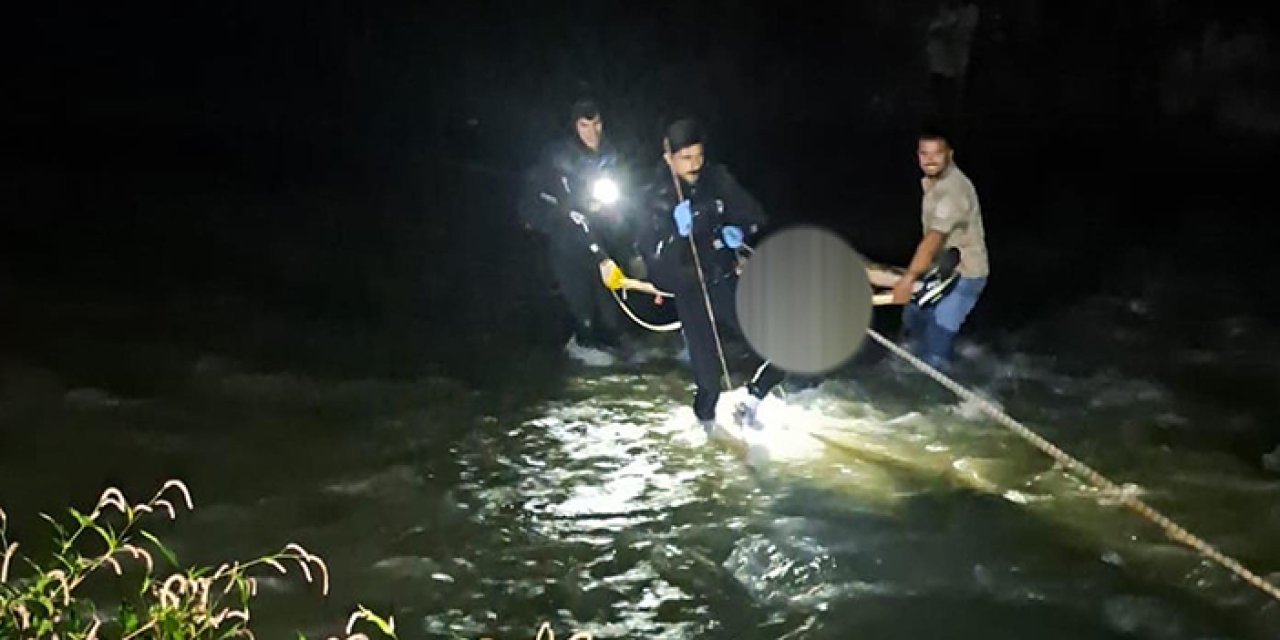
(351, 168)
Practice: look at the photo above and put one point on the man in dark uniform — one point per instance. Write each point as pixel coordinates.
(573, 198)
(700, 217)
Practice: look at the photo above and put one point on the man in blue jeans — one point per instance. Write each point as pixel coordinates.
(950, 216)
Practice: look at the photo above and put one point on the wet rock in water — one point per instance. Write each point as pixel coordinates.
(1271, 461)
(91, 398)
(407, 567)
(1113, 558)
(772, 574)
(1143, 617)
(694, 573)
(394, 481)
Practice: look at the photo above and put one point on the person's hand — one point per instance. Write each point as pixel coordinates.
(610, 274)
(902, 289)
(732, 236)
(683, 215)
(657, 301)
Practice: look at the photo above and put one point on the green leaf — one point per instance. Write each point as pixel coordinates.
(69, 562)
(129, 620)
(160, 545)
(382, 625)
(27, 561)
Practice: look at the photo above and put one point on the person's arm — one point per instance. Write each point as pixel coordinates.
(645, 215)
(658, 241)
(882, 278)
(925, 252)
(920, 263)
(948, 213)
(572, 216)
(561, 218)
(741, 208)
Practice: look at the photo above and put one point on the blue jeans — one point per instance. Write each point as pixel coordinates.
(932, 330)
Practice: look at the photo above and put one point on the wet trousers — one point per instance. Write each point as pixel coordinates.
(701, 341)
(594, 313)
(932, 330)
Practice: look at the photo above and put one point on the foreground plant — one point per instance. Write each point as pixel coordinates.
(545, 632)
(47, 600)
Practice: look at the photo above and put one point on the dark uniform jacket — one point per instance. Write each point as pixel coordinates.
(716, 200)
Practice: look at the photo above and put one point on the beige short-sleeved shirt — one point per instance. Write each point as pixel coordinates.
(950, 206)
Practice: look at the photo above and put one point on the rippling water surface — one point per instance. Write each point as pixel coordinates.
(873, 505)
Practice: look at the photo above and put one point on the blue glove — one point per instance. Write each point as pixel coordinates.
(732, 235)
(684, 218)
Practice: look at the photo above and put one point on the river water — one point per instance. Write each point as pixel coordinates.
(473, 506)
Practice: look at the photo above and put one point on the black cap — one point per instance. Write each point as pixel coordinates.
(682, 133)
(585, 108)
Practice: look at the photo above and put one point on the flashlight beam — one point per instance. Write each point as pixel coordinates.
(605, 191)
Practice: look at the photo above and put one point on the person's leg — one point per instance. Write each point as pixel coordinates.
(948, 317)
(703, 356)
(575, 288)
(766, 376)
(935, 349)
(607, 324)
(915, 323)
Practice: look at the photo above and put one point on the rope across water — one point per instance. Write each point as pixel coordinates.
(1125, 495)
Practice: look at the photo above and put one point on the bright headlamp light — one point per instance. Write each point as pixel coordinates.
(605, 191)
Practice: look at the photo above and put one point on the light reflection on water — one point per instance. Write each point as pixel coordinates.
(849, 505)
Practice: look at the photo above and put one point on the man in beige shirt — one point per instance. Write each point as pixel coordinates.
(950, 216)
